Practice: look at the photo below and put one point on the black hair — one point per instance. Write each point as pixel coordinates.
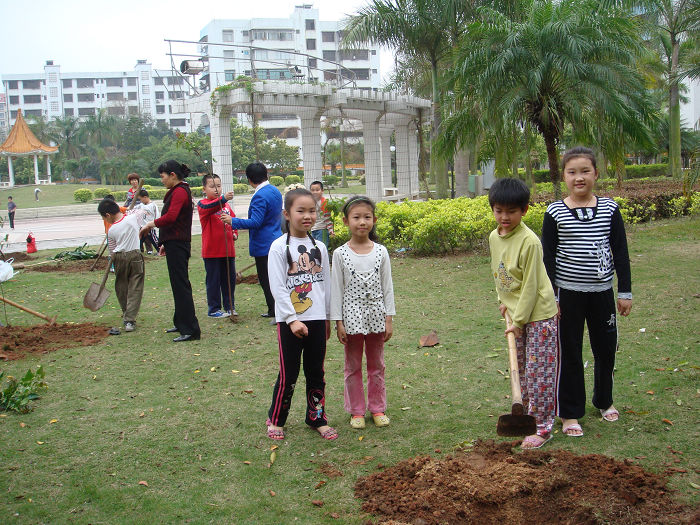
(143, 193)
(209, 176)
(107, 206)
(509, 192)
(361, 199)
(109, 196)
(173, 166)
(316, 182)
(9, 196)
(289, 199)
(578, 152)
(256, 172)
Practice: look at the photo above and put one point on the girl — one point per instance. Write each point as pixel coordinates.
(300, 284)
(218, 247)
(362, 306)
(584, 244)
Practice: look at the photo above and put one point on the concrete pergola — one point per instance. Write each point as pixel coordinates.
(21, 142)
(381, 114)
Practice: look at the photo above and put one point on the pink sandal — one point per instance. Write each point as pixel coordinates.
(274, 433)
(534, 441)
(330, 433)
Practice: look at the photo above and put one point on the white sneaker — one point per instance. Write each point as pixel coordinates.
(233, 313)
(129, 326)
(219, 315)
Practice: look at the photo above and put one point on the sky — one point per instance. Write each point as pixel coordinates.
(108, 35)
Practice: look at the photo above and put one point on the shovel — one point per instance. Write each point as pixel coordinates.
(97, 295)
(517, 423)
(239, 275)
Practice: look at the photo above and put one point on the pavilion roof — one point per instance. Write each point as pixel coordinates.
(21, 141)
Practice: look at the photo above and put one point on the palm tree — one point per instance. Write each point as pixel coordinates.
(561, 63)
(65, 132)
(98, 128)
(427, 29)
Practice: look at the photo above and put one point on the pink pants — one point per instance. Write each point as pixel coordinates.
(354, 386)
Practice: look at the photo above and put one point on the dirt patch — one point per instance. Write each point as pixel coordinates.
(248, 279)
(18, 341)
(82, 266)
(493, 485)
(19, 257)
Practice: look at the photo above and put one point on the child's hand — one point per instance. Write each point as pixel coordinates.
(146, 228)
(342, 334)
(235, 236)
(328, 329)
(624, 306)
(161, 251)
(502, 308)
(389, 329)
(228, 195)
(517, 332)
(226, 219)
(299, 329)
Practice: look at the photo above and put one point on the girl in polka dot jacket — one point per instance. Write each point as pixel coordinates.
(362, 305)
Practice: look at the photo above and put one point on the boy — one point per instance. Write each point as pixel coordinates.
(151, 214)
(323, 229)
(133, 179)
(525, 292)
(11, 208)
(129, 271)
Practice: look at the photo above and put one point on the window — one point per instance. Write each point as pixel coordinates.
(310, 24)
(361, 74)
(31, 84)
(54, 107)
(160, 109)
(53, 77)
(175, 81)
(131, 81)
(283, 133)
(13, 84)
(327, 36)
(227, 35)
(312, 62)
(311, 44)
(83, 112)
(330, 76)
(115, 110)
(354, 54)
(329, 55)
(14, 100)
(144, 76)
(115, 96)
(374, 52)
(86, 97)
(115, 82)
(145, 89)
(245, 33)
(53, 92)
(160, 95)
(158, 81)
(273, 35)
(174, 95)
(32, 112)
(13, 113)
(67, 97)
(229, 75)
(229, 54)
(174, 122)
(68, 112)
(86, 83)
(132, 95)
(32, 99)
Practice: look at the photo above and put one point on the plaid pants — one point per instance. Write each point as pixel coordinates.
(538, 366)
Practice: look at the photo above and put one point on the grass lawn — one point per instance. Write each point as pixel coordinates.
(52, 195)
(188, 418)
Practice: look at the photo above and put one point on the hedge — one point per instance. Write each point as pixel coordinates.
(100, 193)
(633, 171)
(292, 179)
(276, 180)
(239, 189)
(82, 195)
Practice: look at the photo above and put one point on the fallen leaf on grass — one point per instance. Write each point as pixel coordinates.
(272, 492)
(429, 340)
(274, 447)
(53, 421)
(694, 485)
(235, 371)
(246, 462)
(335, 515)
(196, 371)
(317, 502)
(667, 421)
(39, 442)
(650, 392)
(212, 369)
(405, 408)
(273, 457)
(492, 355)
(320, 484)
(142, 414)
(144, 483)
(360, 438)
(22, 424)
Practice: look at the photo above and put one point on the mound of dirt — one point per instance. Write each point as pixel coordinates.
(18, 341)
(248, 279)
(493, 485)
(82, 266)
(20, 257)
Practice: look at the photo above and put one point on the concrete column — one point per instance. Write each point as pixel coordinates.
(373, 173)
(413, 148)
(11, 170)
(48, 168)
(221, 149)
(403, 162)
(311, 148)
(385, 152)
(36, 170)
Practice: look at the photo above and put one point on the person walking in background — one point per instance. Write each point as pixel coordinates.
(323, 229)
(175, 225)
(362, 306)
(37, 191)
(263, 222)
(11, 208)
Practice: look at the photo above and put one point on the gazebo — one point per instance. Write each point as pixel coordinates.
(21, 142)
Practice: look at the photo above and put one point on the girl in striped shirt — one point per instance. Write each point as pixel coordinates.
(584, 245)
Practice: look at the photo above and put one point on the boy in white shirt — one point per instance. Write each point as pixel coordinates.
(151, 239)
(129, 271)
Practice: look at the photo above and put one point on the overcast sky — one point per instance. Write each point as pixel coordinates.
(109, 35)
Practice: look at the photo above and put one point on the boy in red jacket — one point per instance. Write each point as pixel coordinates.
(218, 244)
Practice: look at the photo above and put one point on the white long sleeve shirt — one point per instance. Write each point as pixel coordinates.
(123, 235)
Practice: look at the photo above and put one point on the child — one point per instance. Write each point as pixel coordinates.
(217, 242)
(584, 243)
(323, 229)
(525, 292)
(145, 203)
(129, 271)
(300, 283)
(133, 179)
(362, 305)
(11, 209)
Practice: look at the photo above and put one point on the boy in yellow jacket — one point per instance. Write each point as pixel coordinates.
(524, 290)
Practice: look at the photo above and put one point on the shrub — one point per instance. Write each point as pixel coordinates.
(153, 181)
(82, 195)
(146, 187)
(361, 180)
(157, 193)
(640, 171)
(17, 394)
(239, 189)
(276, 180)
(100, 193)
(119, 195)
(292, 179)
(331, 180)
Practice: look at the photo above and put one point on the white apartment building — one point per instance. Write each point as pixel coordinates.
(690, 111)
(55, 94)
(3, 116)
(301, 47)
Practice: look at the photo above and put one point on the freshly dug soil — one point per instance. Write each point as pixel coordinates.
(494, 485)
(249, 279)
(82, 266)
(20, 257)
(18, 341)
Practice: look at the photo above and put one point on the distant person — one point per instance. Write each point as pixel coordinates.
(175, 225)
(150, 241)
(37, 191)
(11, 207)
(323, 229)
(133, 179)
(264, 217)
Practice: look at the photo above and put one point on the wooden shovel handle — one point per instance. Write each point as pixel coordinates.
(513, 360)
(246, 268)
(50, 320)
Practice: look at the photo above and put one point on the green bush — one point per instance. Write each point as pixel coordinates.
(331, 180)
(119, 195)
(276, 180)
(157, 193)
(153, 181)
(146, 187)
(361, 180)
(641, 171)
(241, 189)
(100, 193)
(17, 394)
(193, 181)
(292, 179)
(82, 195)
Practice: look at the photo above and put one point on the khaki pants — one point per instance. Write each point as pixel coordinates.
(129, 272)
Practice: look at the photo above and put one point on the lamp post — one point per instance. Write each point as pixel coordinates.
(394, 175)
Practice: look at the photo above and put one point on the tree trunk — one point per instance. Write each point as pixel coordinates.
(674, 111)
(550, 142)
(421, 156)
(529, 175)
(438, 166)
(514, 157)
(461, 172)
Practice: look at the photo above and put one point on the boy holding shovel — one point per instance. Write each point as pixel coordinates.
(129, 271)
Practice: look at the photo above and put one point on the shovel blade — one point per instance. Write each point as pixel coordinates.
(95, 297)
(510, 425)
